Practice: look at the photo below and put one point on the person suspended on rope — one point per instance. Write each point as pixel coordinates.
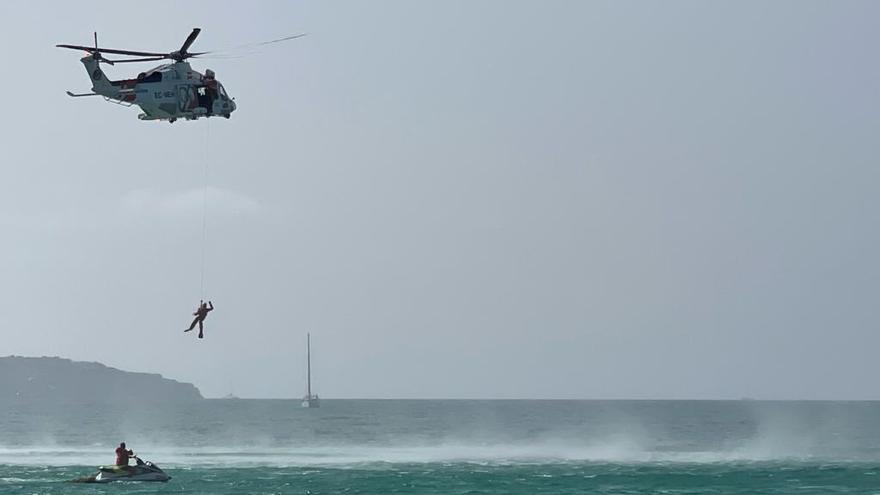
(200, 314)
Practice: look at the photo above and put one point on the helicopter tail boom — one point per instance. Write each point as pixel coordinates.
(100, 84)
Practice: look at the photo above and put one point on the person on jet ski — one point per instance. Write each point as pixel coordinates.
(122, 455)
(200, 315)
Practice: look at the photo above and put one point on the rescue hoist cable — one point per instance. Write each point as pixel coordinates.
(205, 207)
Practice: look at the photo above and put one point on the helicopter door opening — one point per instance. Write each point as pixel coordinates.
(206, 96)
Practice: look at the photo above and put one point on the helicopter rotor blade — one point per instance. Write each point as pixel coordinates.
(178, 56)
(279, 40)
(254, 45)
(78, 47)
(113, 51)
(123, 61)
(190, 39)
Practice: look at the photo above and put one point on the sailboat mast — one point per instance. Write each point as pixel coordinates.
(309, 365)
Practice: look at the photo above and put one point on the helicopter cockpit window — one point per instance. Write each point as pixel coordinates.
(152, 78)
(222, 91)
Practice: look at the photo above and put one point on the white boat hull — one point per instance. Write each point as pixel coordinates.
(142, 472)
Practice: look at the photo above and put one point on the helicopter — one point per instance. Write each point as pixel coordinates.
(167, 92)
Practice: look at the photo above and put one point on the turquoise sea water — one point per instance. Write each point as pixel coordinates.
(451, 447)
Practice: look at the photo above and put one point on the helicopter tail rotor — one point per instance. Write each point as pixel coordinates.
(97, 53)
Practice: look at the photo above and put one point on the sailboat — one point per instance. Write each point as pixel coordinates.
(310, 400)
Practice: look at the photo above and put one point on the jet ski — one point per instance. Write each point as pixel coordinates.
(142, 471)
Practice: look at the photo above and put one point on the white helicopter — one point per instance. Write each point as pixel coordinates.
(168, 92)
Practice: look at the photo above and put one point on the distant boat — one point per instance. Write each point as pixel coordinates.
(310, 400)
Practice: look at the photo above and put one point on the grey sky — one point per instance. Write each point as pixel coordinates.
(458, 199)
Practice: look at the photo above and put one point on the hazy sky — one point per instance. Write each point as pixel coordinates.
(458, 199)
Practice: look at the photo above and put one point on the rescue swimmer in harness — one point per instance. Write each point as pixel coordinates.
(200, 314)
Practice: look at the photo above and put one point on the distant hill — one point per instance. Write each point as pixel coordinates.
(59, 380)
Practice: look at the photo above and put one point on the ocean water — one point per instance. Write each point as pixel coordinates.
(451, 447)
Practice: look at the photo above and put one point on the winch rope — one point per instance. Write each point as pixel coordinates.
(205, 206)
